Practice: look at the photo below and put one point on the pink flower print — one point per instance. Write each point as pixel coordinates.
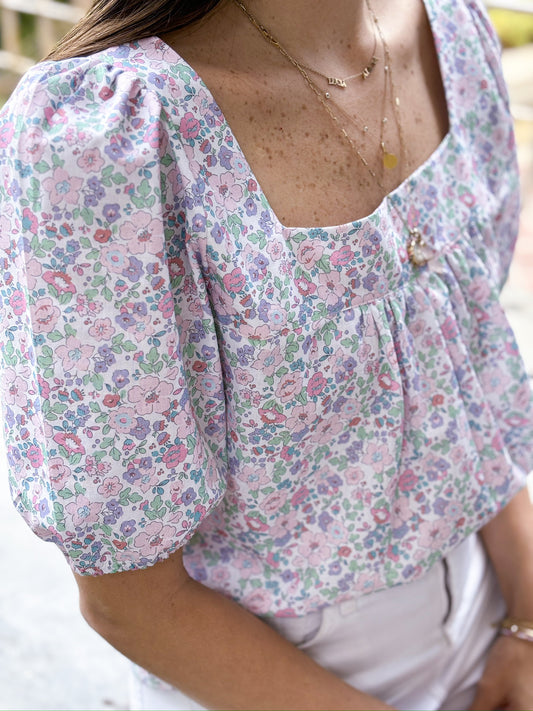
(367, 582)
(268, 360)
(123, 420)
(111, 486)
(35, 456)
(61, 282)
(305, 287)
(155, 538)
(400, 511)
(91, 160)
(314, 548)
(253, 476)
(102, 329)
(271, 416)
(243, 377)
(341, 257)
(184, 424)
(309, 252)
(59, 472)
(227, 192)
(143, 234)
(44, 315)
(234, 281)
(83, 511)
(301, 416)
(175, 455)
(255, 333)
(247, 564)
(115, 257)
(316, 385)
(17, 301)
(74, 355)
(277, 317)
(7, 130)
(381, 515)
(189, 126)
(330, 288)
(32, 145)
(434, 534)
(283, 523)
(337, 533)
(289, 387)
(150, 394)
(7, 231)
(63, 187)
(258, 602)
(378, 456)
(33, 270)
(408, 480)
(14, 388)
(166, 305)
(353, 476)
(275, 249)
(328, 428)
(70, 441)
(273, 502)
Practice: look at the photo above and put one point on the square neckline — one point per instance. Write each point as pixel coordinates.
(394, 196)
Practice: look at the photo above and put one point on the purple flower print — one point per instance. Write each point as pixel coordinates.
(250, 207)
(324, 520)
(141, 429)
(128, 528)
(125, 320)
(134, 270)
(188, 496)
(120, 378)
(111, 212)
(225, 156)
(217, 233)
(132, 474)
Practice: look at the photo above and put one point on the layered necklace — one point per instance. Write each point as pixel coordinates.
(418, 251)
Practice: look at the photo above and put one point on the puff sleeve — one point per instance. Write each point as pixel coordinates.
(497, 166)
(113, 407)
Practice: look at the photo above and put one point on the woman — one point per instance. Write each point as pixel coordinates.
(225, 419)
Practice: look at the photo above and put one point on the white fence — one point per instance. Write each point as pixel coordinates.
(51, 19)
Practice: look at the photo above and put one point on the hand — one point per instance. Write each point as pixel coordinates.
(507, 682)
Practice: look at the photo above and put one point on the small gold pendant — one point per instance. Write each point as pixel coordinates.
(390, 160)
(335, 81)
(418, 251)
(368, 70)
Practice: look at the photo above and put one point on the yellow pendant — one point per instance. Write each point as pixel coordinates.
(390, 160)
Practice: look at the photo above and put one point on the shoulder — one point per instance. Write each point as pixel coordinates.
(127, 83)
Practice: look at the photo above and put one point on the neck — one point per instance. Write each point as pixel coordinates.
(339, 33)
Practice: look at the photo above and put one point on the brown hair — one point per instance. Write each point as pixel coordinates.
(113, 22)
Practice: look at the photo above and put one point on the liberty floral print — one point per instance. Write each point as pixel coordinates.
(310, 415)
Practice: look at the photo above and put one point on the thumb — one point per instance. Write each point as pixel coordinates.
(488, 697)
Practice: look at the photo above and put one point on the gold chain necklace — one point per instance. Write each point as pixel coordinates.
(418, 251)
(340, 83)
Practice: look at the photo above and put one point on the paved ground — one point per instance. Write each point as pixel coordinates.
(49, 658)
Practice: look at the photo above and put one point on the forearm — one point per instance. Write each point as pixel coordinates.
(220, 654)
(508, 539)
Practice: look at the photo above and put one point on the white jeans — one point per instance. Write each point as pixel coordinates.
(421, 645)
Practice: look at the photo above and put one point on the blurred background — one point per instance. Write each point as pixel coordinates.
(49, 657)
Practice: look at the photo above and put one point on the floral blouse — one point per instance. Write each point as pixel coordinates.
(311, 415)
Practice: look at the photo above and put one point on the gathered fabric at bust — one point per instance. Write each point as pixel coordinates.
(311, 415)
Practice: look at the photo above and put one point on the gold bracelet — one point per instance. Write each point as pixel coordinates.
(514, 627)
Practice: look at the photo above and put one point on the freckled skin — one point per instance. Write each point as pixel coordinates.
(305, 167)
